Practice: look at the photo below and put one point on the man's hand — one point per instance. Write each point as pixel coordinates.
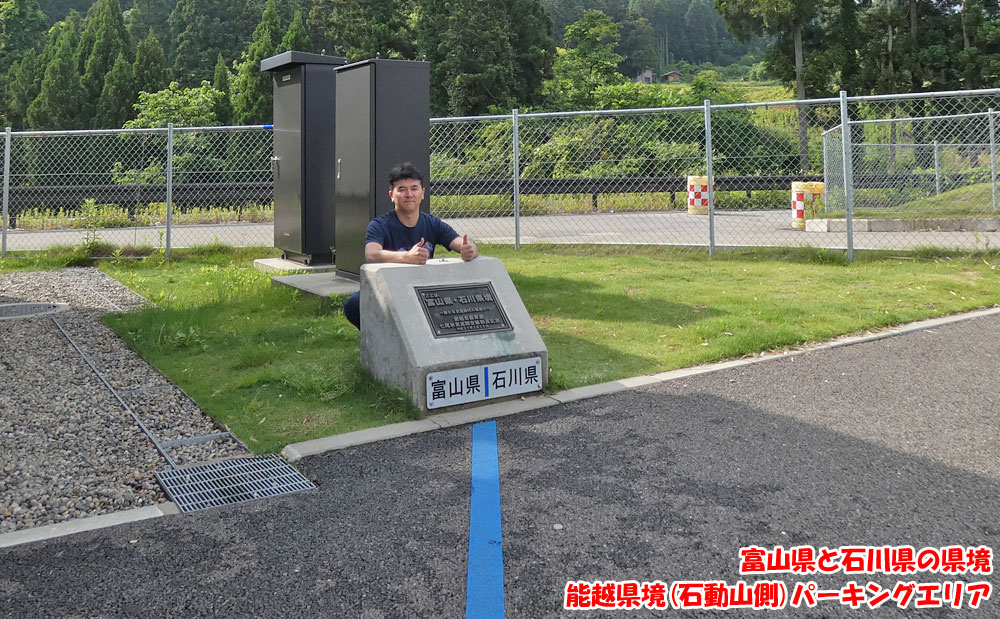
(469, 250)
(418, 254)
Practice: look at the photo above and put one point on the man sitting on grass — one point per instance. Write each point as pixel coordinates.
(405, 234)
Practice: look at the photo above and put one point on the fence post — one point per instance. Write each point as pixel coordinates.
(845, 129)
(6, 190)
(170, 180)
(517, 182)
(937, 169)
(993, 158)
(710, 177)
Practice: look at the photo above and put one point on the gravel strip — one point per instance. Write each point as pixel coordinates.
(68, 449)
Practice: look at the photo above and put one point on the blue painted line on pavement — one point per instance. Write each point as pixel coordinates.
(484, 591)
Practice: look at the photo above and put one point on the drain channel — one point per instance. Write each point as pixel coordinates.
(231, 481)
(10, 311)
(224, 482)
(124, 404)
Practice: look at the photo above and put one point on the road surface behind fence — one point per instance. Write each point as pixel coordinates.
(680, 229)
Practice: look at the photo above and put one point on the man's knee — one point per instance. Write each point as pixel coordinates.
(352, 309)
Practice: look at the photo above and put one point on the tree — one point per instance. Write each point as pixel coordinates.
(700, 27)
(588, 62)
(22, 24)
(478, 69)
(222, 82)
(116, 104)
(297, 38)
(146, 16)
(203, 29)
(58, 103)
(533, 48)
(360, 29)
(24, 82)
(189, 107)
(638, 46)
(57, 10)
(486, 54)
(150, 69)
(252, 103)
(103, 39)
(779, 18)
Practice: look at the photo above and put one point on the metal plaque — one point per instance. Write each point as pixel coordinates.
(466, 309)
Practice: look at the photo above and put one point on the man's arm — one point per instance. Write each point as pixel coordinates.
(418, 254)
(464, 246)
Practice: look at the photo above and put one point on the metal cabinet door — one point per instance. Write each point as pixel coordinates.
(286, 163)
(354, 165)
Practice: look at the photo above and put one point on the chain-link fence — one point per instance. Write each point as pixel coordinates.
(922, 172)
(633, 176)
(141, 187)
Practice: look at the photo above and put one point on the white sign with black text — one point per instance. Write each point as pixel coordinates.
(484, 382)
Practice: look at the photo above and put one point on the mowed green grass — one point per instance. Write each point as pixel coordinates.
(278, 367)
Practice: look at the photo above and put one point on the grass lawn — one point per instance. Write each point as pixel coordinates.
(278, 367)
(968, 201)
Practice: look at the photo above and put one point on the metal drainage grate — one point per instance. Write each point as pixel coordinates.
(23, 310)
(230, 481)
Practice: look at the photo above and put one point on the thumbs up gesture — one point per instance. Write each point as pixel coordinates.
(469, 249)
(418, 254)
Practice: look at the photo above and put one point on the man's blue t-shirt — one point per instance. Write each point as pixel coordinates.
(391, 234)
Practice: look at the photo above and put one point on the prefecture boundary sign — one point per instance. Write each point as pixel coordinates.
(484, 382)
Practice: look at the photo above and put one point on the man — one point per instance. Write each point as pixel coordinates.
(405, 234)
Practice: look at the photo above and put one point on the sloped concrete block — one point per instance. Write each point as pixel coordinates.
(400, 348)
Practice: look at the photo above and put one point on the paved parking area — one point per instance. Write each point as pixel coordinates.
(891, 442)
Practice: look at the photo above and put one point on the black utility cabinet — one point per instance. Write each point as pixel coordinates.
(302, 165)
(383, 118)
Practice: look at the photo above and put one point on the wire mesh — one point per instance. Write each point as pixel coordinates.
(924, 173)
(758, 152)
(472, 176)
(923, 169)
(583, 178)
(222, 187)
(74, 188)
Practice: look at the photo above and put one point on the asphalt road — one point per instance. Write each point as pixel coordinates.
(892, 442)
(732, 229)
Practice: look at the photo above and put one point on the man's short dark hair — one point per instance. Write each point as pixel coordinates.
(404, 171)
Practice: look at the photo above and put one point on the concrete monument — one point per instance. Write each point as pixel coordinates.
(449, 333)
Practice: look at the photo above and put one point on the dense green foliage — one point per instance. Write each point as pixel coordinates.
(492, 54)
(252, 103)
(150, 69)
(223, 82)
(58, 103)
(115, 105)
(487, 55)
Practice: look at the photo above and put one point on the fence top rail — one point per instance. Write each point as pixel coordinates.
(926, 95)
(163, 130)
(926, 144)
(875, 121)
(625, 112)
(731, 106)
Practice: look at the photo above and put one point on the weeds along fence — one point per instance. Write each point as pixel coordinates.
(922, 173)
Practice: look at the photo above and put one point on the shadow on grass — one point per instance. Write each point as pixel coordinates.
(560, 297)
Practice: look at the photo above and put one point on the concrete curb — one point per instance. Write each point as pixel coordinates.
(92, 523)
(297, 451)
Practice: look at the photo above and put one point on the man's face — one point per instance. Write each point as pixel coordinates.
(406, 194)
